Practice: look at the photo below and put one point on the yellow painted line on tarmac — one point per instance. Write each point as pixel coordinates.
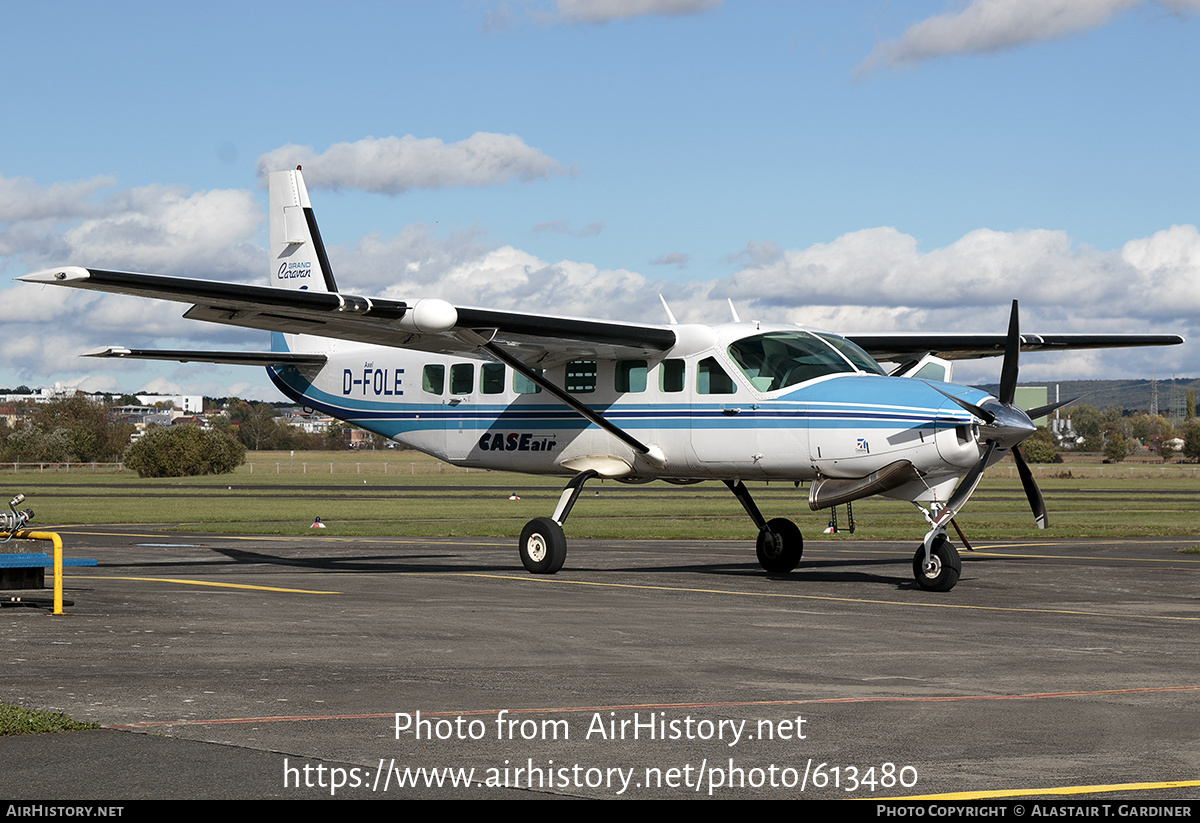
(200, 583)
(1061, 790)
(684, 589)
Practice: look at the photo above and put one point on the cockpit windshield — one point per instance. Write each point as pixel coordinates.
(853, 353)
(776, 360)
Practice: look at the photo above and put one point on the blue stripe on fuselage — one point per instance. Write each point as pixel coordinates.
(853, 401)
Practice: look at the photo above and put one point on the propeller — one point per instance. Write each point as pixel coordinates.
(1005, 426)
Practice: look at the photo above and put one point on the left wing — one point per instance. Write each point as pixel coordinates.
(429, 324)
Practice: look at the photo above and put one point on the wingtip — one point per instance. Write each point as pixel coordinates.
(61, 275)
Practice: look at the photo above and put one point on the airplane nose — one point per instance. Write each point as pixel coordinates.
(1009, 425)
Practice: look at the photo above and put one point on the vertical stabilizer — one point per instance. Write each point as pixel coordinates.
(298, 259)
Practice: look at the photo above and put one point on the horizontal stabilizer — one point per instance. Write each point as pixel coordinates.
(236, 358)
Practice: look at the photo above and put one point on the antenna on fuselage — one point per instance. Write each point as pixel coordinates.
(733, 311)
(670, 316)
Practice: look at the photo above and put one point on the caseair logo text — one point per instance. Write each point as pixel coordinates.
(515, 442)
(291, 271)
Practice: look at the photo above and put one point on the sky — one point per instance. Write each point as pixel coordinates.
(861, 166)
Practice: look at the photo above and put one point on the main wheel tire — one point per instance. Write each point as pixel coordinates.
(780, 546)
(945, 566)
(543, 546)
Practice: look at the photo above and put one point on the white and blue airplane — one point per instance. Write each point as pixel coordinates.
(587, 398)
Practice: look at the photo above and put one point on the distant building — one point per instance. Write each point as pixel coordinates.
(191, 403)
(308, 421)
(43, 395)
(1030, 397)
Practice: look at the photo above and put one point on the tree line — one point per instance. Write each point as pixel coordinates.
(79, 429)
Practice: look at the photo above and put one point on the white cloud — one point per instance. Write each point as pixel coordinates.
(150, 228)
(415, 258)
(603, 11)
(167, 229)
(23, 200)
(392, 165)
(508, 278)
(883, 270)
(161, 229)
(996, 25)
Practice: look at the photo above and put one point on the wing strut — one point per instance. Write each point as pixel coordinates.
(591, 415)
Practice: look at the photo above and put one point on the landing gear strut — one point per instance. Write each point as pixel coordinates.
(543, 544)
(780, 544)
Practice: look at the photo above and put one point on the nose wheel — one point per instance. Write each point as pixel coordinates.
(939, 572)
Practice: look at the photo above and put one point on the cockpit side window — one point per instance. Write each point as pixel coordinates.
(712, 379)
(777, 360)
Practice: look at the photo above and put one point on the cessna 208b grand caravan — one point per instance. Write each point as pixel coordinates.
(589, 398)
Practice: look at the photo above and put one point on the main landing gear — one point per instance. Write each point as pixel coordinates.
(543, 544)
(779, 542)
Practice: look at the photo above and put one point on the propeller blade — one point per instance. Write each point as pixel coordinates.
(1012, 354)
(1042, 411)
(983, 414)
(1036, 501)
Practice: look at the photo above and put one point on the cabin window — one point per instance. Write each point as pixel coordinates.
(777, 360)
(670, 376)
(491, 378)
(523, 385)
(433, 379)
(581, 376)
(462, 378)
(631, 375)
(712, 379)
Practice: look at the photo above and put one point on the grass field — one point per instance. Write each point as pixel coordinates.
(406, 493)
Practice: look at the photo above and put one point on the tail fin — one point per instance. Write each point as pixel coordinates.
(298, 259)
